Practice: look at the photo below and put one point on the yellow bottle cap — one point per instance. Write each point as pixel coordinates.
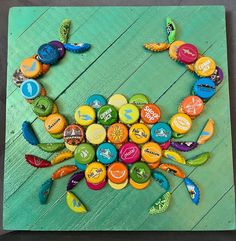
(139, 133)
(139, 186)
(85, 115)
(173, 49)
(55, 123)
(117, 100)
(180, 123)
(31, 68)
(95, 172)
(205, 66)
(118, 186)
(129, 114)
(96, 134)
(151, 152)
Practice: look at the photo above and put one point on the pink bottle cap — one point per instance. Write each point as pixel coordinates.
(129, 153)
(165, 145)
(98, 186)
(187, 53)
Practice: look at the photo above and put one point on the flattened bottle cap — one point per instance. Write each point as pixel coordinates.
(139, 100)
(117, 133)
(84, 153)
(161, 132)
(139, 186)
(96, 101)
(140, 172)
(151, 152)
(77, 47)
(192, 105)
(95, 172)
(117, 172)
(117, 100)
(187, 53)
(118, 186)
(98, 186)
(73, 134)
(48, 54)
(180, 123)
(107, 115)
(31, 68)
(150, 114)
(174, 48)
(55, 123)
(106, 153)
(205, 66)
(129, 114)
(204, 88)
(139, 133)
(129, 153)
(217, 76)
(42, 106)
(96, 134)
(18, 78)
(59, 46)
(85, 115)
(30, 89)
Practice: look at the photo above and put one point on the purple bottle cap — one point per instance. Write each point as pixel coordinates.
(98, 186)
(165, 145)
(187, 53)
(60, 47)
(129, 153)
(184, 145)
(217, 76)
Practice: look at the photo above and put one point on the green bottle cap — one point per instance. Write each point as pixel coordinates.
(139, 100)
(107, 115)
(140, 172)
(84, 153)
(42, 106)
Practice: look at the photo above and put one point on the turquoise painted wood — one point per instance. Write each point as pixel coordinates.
(117, 63)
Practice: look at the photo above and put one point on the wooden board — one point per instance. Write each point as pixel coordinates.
(117, 63)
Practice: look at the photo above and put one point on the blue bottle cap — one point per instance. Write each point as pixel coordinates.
(77, 47)
(30, 89)
(96, 101)
(161, 132)
(48, 54)
(204, 88)
(106, 153)
(80, 166)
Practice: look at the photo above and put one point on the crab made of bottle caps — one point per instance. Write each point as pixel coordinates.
(121, 140)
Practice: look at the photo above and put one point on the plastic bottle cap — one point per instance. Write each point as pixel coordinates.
(106, 153)
(117, 100)
(139, 133)
(117, 133)
(117, 172)
(129, 153)
(180, 123)
(85, 115)
(129, 114)
(95, 173)
(96, 134)
(84, 153)
(151, 152)
(150, 113)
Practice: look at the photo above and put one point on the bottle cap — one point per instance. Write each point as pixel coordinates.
(107, 115)
(42, 106)
(139, 100)
(192, 105)
(30, 89)
(140, 172)
(129, 153)
(117, 100)
(117, 172)
(95, 172)
(180, 123)
(84, 153)
(161, 132)
(117, 133)
(187, 53)
(151, 152)
(205, 66)
(85, 115)
(96, 134)
(55, 123)
(106, 153)
(73, 134)
(174, 48)
(204, 88)
(139, 133)
(96, 101)
(129, 114)
(31, 68)
(48, 54)
(150, 114)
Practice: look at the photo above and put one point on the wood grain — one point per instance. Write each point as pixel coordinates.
(118, 63)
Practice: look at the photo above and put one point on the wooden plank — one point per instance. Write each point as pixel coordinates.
(216, 218)
(135, 77)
